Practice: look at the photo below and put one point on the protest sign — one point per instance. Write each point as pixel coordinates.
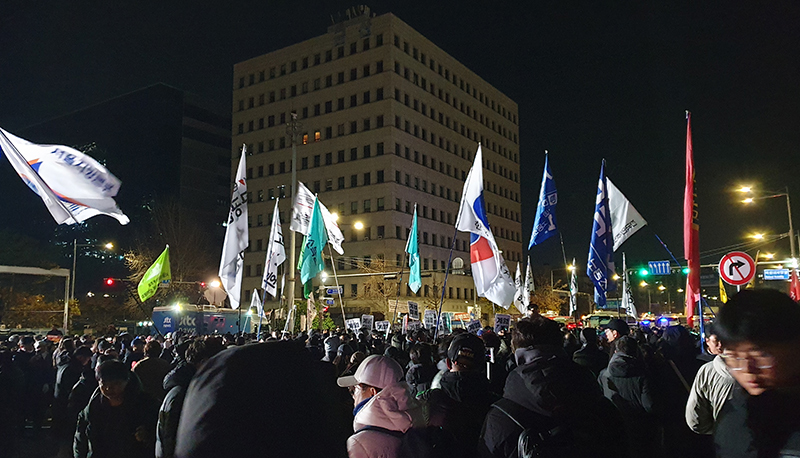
(501, 321)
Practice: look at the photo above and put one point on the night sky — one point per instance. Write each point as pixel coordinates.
(593, 80)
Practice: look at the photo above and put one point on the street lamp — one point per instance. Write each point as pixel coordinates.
(75, 245)
(771, 195)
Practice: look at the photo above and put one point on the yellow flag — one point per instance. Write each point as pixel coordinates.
(723, 296)
(157, 273)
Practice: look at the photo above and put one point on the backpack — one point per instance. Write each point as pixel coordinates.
(428, 442)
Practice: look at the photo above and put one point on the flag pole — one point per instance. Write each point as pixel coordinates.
(338, 290)
(261, 315)
(444, 285)
(399, 285)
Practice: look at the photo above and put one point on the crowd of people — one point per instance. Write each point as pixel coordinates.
(534, 390)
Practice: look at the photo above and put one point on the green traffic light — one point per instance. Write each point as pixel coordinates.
(685, 270)
(644, 273)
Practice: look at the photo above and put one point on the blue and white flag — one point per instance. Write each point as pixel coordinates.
(412, 248)
(492, 278)
(601, 250)
(72, 185)
(544, 225)
(627, 297)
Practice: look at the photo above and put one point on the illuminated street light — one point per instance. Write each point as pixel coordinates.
(358, 225)
(745, 189)
(323, 276)
(643, 284)
(571, 268)
(214, 284)
(757, 236)
(662, 288)
(335, 216)
(749, 200)
(680, 290)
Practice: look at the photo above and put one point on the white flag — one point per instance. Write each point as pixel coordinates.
(573, 290)
(255, 301)
(627, 297)
(518, 301)
(625, 220)
(276, 254)
(73, 186)
(236, 237)
(489, 272)
(301, 217)
(528, 287)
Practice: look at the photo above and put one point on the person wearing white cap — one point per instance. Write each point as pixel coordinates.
(384, 408)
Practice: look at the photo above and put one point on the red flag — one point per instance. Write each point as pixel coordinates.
(794, 290)
(691, 229)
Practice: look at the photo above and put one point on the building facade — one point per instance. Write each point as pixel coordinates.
(387, 120)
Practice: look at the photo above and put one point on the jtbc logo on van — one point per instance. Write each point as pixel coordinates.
(187, 322)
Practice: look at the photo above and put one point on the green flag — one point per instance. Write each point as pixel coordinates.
(157, 273)
(412, 248)
(311, 262)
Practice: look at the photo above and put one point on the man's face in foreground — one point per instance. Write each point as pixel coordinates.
(758, 368)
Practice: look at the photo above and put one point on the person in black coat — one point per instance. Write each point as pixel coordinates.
(590, 355)
(175, 384)
(69, 370)
(550, 395)
(291, 384)
(626, 384)
(463, 398)
(119, 421)
(761, 337)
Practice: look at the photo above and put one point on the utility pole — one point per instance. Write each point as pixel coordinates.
(791, 226)
(292, 130)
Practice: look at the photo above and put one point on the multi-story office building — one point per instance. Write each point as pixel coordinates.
(388, 120)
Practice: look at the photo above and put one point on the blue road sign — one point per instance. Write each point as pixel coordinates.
(331, 290)
(776, 274)
(658, 267)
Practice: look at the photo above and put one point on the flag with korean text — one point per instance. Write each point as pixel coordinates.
(237, 236)
(276, 254)
(301, 217)
(544, 224)
(600, 267)
(73, 186)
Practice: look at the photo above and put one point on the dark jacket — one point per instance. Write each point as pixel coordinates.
(151, 372)
(104, 431)
(550, 391)
(589, 355)
(762, 426)
(459, 406)
(275, 385)
(419, 377)
(625, 383)
(68, 373)
(175, 384)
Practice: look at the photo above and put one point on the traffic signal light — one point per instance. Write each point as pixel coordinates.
(325, 309)
(109, 281)
(685, 270)
(644, 272)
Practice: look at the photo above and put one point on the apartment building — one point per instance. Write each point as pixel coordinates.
(387, 120)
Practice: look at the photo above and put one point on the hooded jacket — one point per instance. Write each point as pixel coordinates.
(625, 383)
(712, 386)
(394, 409)
(175, 384)
(550, 391)
(590, 356)
(459, 406)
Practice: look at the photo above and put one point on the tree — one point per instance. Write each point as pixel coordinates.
(546, 296)
(379, 290)
(193, 258)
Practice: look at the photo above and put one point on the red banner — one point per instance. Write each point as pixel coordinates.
(691, 229)
(794, 290)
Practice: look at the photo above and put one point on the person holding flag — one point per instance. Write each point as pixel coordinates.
(236, 236)
(492, 278)
(544, 224)
(601, 261)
